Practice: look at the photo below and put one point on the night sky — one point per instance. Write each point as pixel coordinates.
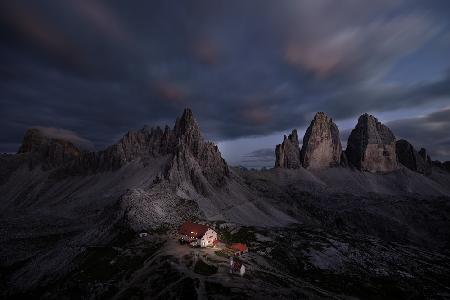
(250, 70)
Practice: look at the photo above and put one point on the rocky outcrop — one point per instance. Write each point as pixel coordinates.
(413, 160)
(193, 158)
(321, 144)
(190, 156)
(371, 146)
(428, 165)
(47, 151)
(288, 153)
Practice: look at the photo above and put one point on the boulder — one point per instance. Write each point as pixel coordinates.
(321, 144)
(287, 154)
(371, 146)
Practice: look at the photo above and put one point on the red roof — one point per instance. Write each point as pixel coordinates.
(193, 229)
(239, 247)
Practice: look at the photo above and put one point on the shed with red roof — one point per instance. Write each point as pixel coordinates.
(239, 248)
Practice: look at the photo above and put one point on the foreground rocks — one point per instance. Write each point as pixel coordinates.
(288, 153)
(321, 144)
(371, 146)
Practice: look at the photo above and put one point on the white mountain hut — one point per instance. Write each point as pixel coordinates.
(197, 234)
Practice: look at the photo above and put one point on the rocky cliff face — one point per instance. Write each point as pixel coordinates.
(321, 144)
(47, 151)
(146, 142)
(371, 146)
(413, 160)
(193, 158)
(190, 157)
(288, 153)
(428, 164)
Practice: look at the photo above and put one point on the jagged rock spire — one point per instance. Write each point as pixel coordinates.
(413, 160)
(186, 123)
(46, 150)
(195, 159)
(371, 146)
(321, 144)
(288, 153)
(187, 130)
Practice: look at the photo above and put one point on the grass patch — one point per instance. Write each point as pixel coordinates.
(203, 268)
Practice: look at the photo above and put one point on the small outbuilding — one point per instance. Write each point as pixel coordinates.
(239, 248)
(197, 234)
(237, 266)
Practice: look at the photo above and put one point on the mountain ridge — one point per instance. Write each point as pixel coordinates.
(71, 226)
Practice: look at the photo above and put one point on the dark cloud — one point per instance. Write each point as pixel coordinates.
(356, 100)
(246, 68)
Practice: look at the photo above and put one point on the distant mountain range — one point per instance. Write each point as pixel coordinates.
(59, 202)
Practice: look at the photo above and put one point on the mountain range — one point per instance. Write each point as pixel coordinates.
(371, 221)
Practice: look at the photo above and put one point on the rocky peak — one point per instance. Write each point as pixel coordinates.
(194, 159)
(413, 160)
(371, 146)
(187, 130)
(427, 160)
(47, 150)
(293, 137)
(423, 154)
(189, 156)
(32, 139)
(186, 123)
(321, 144)
(288, 153)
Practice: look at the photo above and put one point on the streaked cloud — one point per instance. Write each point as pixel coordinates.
(248, 69)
